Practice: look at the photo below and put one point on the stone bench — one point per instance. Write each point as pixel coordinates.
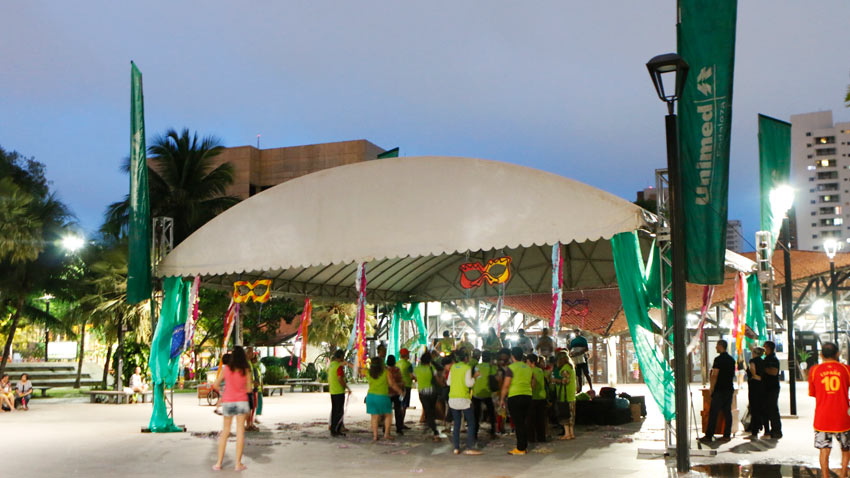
(116, 396)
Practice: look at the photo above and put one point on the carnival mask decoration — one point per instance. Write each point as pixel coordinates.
(496, 271)
(257, 291)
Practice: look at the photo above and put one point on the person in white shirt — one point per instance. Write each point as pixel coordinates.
(137, 382)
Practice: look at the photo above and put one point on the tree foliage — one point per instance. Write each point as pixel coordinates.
(332, 323)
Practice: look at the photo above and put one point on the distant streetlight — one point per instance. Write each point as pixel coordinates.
(73, 243)
(781, 200)
(663, 68)
(46, 298)
(831, 247)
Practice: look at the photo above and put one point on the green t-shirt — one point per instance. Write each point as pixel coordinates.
(538, 391)
(380, 385)
(406, 367)
(481, 389)
(334, 385)
(569, 390)
(520, 379)
(457, 381)
(424, 376)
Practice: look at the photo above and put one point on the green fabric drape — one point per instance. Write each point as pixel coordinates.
(755, 311)
(639, 291)
(163, 368)
(412, 313)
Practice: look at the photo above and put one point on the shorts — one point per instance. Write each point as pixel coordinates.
(231, 409)
(378, 404)
(824, 439)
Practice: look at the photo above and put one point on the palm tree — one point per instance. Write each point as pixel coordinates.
(108, 301)
(184, 184)
(20, 238)
(330, 325)
(19, 280)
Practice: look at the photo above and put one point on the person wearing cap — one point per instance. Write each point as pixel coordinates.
(755, 392)
(406, 369)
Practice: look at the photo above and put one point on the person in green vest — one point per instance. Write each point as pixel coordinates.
(338, 387)
(482, 392)
(537, 413)
(447, 344)
(516, 395)
(567, 393)
(406, 369)
(466, 345)
(461, 380)
(378, 404)
(423, 374)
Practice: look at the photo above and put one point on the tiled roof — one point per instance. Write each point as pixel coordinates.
(285, 331)
(593, 310)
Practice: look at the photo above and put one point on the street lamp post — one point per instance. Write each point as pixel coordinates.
(831, 246)
(781, 200)
(46, 298)
(660, 67)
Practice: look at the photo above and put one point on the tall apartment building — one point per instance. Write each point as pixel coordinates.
(734, 236)
(256, 170)
(820, 176)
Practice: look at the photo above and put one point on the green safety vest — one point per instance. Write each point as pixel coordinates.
(538, 391)
(380, 385)
(481, 389)
(457, 379)
(521, 379)
(424, 376)
(406, 377)
(569, 391)
(334, 384)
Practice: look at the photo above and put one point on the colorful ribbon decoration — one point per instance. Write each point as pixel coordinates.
(358, 332)
(306, 318)
(707, 295)
(557, 285)
(192, 314)
(486, 274)
(239, 297)
(499, 302)
(739, 322)
(229, 320)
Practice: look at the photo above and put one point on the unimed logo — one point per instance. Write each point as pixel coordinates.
(706, 107)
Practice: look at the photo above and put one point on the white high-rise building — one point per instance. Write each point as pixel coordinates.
(820, 177)
(734, 236)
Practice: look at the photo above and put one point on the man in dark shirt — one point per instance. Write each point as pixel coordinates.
(722, 375)
(770, 382)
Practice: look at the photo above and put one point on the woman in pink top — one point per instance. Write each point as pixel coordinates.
(234, 403)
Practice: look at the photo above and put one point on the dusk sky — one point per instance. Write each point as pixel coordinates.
(555, 85)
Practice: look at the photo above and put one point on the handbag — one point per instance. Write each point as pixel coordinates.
(746, 419)
(562, 407)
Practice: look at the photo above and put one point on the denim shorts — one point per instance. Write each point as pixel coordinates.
(231, 409)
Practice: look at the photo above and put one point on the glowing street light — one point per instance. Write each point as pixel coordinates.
(781, 199)
(72, 243)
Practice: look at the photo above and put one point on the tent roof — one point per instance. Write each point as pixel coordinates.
(413, 220)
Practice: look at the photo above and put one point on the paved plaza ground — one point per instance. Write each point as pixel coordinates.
(64, 437)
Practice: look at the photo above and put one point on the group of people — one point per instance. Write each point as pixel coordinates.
(459, 383)
(12, 398)
(763, 392)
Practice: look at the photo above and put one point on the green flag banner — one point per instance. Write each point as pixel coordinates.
(392, 153)
(774, 171)
(756, 329)
(639, 293)
(139, 265)
(164, 368)
(706, 40)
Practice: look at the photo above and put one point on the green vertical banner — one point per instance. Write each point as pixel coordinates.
(163, 366)
(774, 171)
(139, 266)
(706, 40)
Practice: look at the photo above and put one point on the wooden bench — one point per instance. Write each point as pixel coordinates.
(268, 390)
(116, 396)
(312, 386)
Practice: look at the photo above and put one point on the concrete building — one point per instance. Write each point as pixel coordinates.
(820, 171)
(259, 169)
(734, 236)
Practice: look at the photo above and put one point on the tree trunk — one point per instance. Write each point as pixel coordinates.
(82, 353)
(119, 356)
(106, 365)
(7, 348)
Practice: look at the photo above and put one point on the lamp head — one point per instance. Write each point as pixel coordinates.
(831, 247)
(669, 66)
(781, 199)
(72, 243)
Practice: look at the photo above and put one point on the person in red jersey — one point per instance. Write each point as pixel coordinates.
(828, 383)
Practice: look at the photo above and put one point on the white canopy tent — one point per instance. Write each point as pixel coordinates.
(413, 221)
